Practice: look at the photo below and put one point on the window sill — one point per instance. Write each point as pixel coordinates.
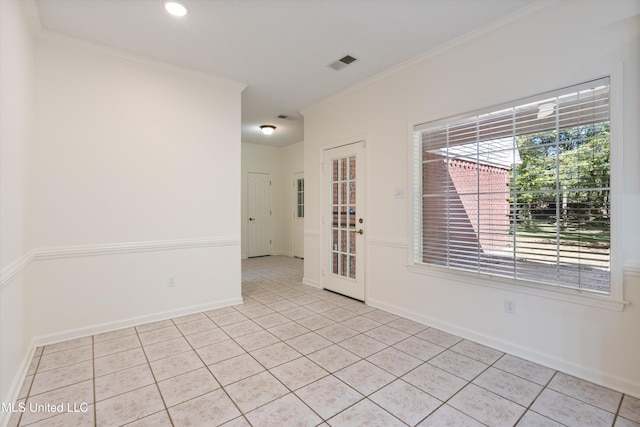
(573, 296)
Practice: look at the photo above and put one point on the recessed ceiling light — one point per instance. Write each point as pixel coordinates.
(176, 8)
(267, 129)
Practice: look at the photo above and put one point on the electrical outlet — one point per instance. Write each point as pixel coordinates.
(509, 306)
(172, 282)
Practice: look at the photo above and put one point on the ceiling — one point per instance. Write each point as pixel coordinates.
(280, 48)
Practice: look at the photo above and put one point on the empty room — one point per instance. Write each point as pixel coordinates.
(319, 212)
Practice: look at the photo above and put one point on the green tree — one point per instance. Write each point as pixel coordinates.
(574, 161)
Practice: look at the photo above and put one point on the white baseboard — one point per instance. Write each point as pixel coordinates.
(598, 377)
(289, 254)
(16, 385)
(133, 321)
(632, 269)
(310, 282)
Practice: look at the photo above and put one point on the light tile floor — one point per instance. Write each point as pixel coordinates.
(294, 355)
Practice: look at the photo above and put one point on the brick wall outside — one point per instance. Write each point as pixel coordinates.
(488, 213)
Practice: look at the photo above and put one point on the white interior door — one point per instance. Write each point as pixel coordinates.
(259, 211)
(344, 220)
(298, 215)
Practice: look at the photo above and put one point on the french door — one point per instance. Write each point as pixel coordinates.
(344, 220)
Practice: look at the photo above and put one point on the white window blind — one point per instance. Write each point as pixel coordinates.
(521, 191)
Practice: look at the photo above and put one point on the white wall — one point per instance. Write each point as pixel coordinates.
(16, 122)
(292, 161)
(131, 153)
(118, 173)
(552, 47)
(281, 164)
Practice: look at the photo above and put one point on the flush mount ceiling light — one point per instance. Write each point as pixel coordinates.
(267, 129)
(176, 8)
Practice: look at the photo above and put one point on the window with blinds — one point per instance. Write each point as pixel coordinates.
(521, 191)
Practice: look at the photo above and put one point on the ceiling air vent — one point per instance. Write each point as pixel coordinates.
(342, 62)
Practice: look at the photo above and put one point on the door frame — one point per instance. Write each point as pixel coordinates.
(325, 219)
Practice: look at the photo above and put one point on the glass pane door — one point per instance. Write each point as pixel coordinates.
(300, 198)
(343, 208)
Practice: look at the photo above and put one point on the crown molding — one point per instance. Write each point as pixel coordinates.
(515, 16)
(294, 145)
(32, 16)
(262, 146)
(55, 37)
(271, 147)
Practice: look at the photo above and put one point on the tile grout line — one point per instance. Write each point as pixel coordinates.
(155, 381)
(209, 369)
(423, 362)
(387, 346)
(617, 414)
(329, 373)
(277, 379)
(35, 371)
(363, 333)
(463, 387)
(544, 387)
(426, 362)
(257, 361)
(93, 365)
(305, 356)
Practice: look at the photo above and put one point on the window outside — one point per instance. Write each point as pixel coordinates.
(522, 192)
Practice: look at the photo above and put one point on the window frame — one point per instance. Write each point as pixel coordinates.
(614, 300)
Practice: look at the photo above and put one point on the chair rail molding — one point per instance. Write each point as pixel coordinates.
(16, 268)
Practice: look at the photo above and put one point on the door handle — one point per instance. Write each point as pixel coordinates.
(361, 231)
(252, 219)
